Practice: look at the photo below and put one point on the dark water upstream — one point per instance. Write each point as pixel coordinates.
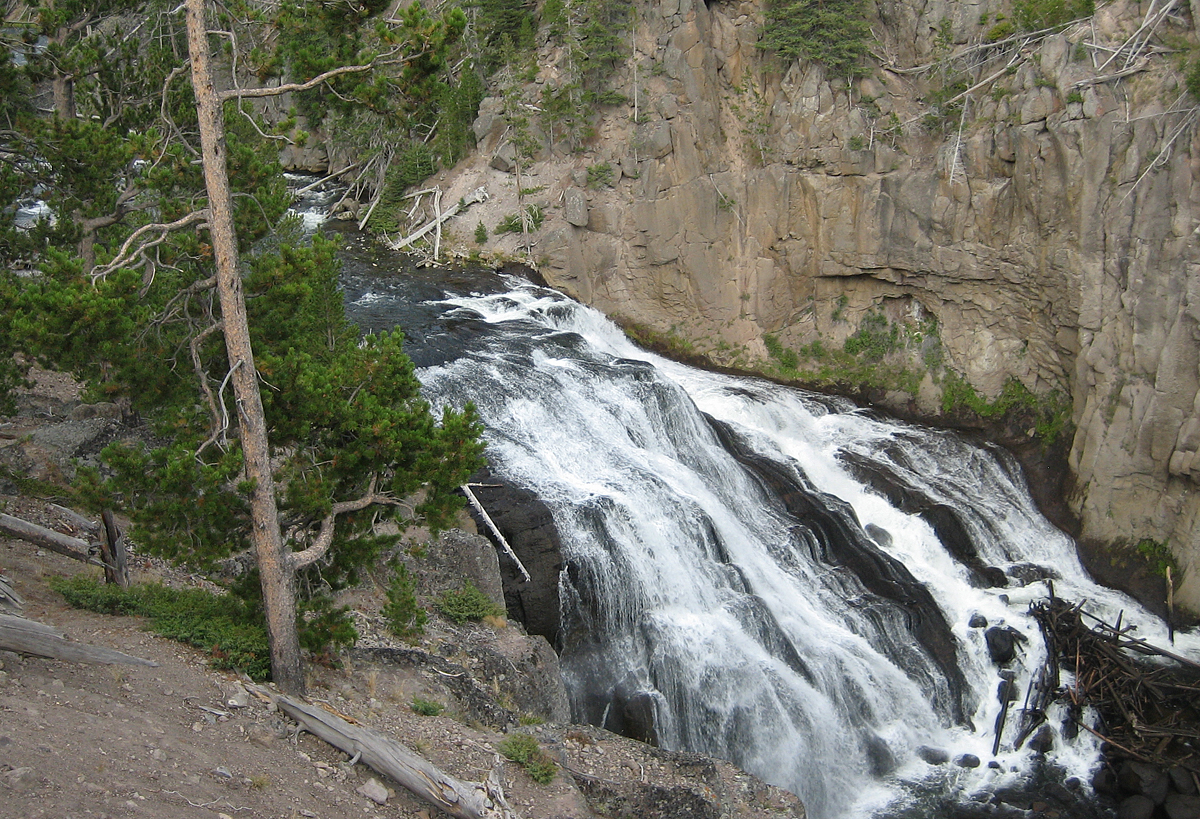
(777, 577)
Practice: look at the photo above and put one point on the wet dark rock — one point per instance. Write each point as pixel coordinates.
(879, 756)
(977, 621)
(1182, 780)
(1144, 779)
(528, 526)
(1026, 573)
(640, 715)
(933, 756)
(967, 761)
(879, 535)
(1182, 806)
(1105, 781)
(1002, 643)
(1042, 741)
(1135, 807)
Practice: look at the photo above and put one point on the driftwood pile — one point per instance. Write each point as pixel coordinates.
(1147, 699)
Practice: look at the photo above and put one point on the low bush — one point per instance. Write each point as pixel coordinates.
(230, 631)
(526, 752)
(466, 604)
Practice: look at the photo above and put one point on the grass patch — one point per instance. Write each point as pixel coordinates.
(530, 220)
(227, 628)
(526, 752)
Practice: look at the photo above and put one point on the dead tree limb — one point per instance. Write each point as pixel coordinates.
(508, 550)
(464, 800)
(477, 195)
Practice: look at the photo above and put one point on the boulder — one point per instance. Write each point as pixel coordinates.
(1002, 643)
(528, 526)
(575, 207)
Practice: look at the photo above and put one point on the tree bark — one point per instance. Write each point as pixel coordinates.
(274, 564)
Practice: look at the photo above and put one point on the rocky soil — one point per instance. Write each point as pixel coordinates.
(181, 740)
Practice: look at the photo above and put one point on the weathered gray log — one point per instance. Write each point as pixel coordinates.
(31, 637)
(464, 800)
(76, 519)
(66, 545)
(9, 599)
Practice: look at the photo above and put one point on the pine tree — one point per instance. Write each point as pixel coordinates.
(171, 282)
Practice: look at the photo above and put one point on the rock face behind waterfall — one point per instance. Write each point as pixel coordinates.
(526, 524)
(1039, 229)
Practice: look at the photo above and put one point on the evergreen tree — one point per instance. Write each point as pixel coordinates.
(172, 282)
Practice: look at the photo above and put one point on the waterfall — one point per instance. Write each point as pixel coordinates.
(754, 572)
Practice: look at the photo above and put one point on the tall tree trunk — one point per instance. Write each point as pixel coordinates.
(274, 560)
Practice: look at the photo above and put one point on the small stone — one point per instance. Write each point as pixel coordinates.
(159, 754)
(374, 791)
(977, 621)
(19, 779)
(967, 761)
(222, 773)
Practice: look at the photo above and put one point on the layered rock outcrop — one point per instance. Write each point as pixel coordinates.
(1030, 201)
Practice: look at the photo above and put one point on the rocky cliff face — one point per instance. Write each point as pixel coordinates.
(996, 211)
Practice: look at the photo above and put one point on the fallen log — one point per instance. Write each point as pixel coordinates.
(31, 637)
(477, 195)
(65, 545)
(464, 800)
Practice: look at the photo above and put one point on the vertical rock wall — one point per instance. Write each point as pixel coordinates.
(1049, 228)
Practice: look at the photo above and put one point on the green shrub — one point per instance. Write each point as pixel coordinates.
(526, 752)
(325, 629)
(1050, 413)
(832, 32)
(404, 615)
(468, 603)
(1158, 554)
(1035, 15)
(227, 628)
(874, 338)
(600, 175)
(785, 356)
(426, 708)
(481, 234)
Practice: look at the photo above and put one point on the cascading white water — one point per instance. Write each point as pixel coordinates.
(754, 571)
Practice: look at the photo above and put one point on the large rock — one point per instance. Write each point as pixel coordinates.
(527, 525)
